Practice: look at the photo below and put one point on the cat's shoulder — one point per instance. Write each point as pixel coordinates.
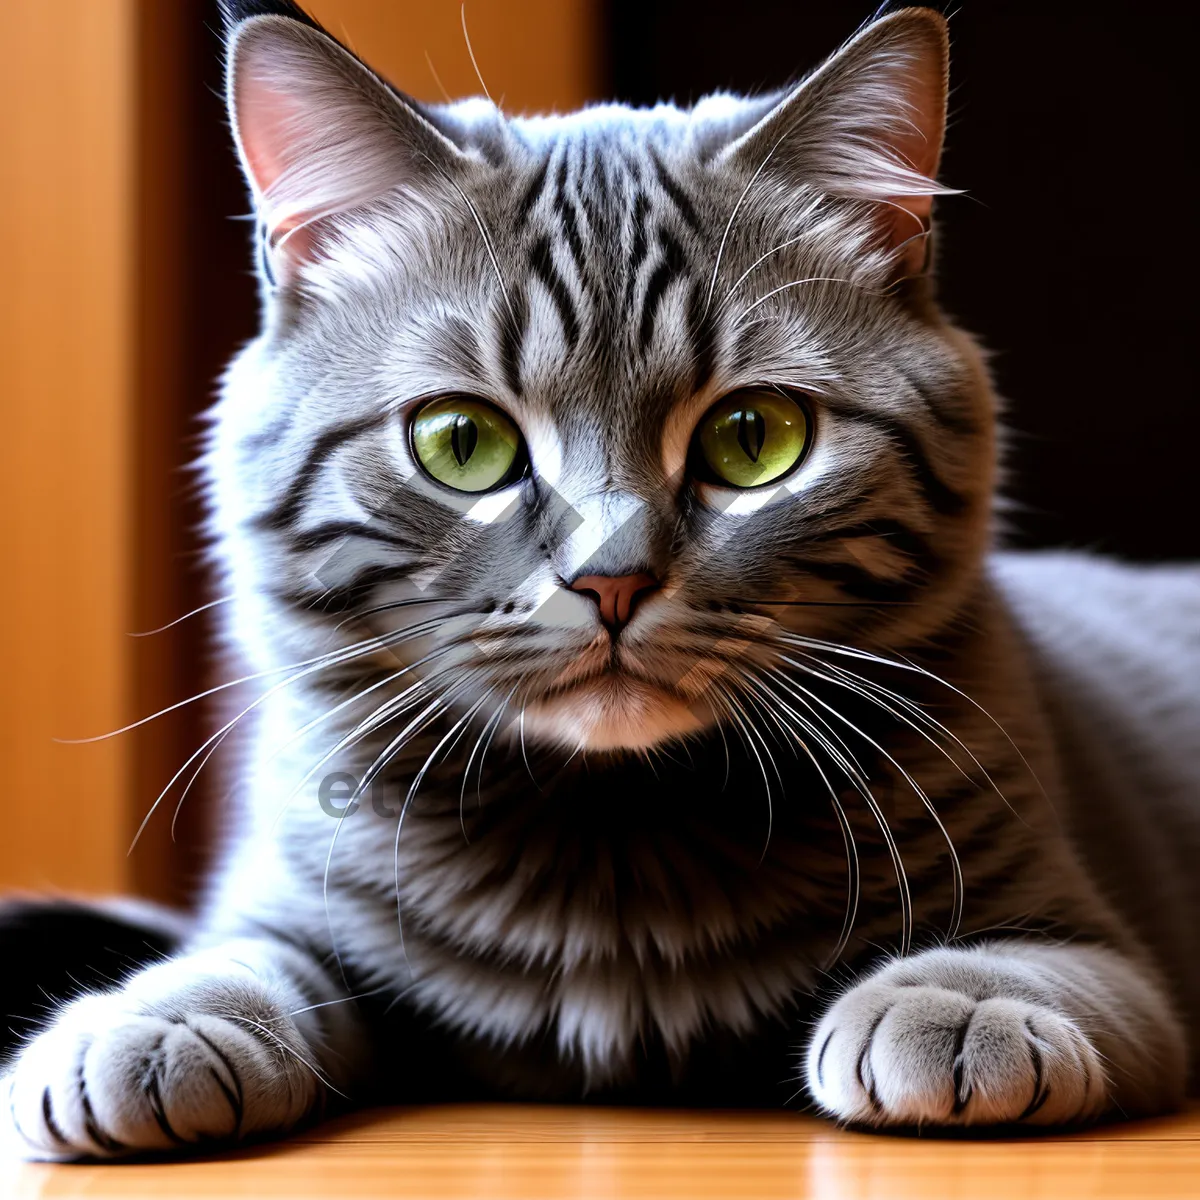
(1095, 583)
(1095, 610)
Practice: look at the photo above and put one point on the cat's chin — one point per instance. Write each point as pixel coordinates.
(614, 713)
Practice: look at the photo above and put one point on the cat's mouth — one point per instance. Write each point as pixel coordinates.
(613, 677)
(614, 708)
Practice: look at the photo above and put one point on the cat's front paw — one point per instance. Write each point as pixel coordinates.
(111, 1078)
(897, 1051)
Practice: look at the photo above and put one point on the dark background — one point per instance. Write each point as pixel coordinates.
(1073, 253)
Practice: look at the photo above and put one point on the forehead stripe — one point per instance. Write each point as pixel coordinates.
(514, 324)
(565, 209)
(541, 261)
(670, 268)
(670, 185)
(641, 244)
(533, 193)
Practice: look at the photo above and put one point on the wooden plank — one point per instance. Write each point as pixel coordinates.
(65, 374)
(547, 1153)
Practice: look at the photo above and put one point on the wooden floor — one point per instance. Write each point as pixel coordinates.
(562, 1153)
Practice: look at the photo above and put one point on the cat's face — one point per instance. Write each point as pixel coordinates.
(594, 413)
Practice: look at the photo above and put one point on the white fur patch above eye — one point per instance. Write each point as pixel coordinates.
(545, 448)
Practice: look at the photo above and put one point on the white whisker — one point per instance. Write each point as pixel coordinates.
(762, 166)
(330, 658)
(738, 712)
(871, 691)
(904, 664)
(858, 780)
(474, 63)
(186, 616)
(524, 755)
(451, 737)
(783, 287)
(956, 866)
(853, 881)
(762, 258)
(321, 663)
(275, 1039)
(489, 724)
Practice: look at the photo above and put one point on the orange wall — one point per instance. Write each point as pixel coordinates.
(90, 361)
(65, 357)
(534, 55)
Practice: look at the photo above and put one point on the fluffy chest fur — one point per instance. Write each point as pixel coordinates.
(583, 910)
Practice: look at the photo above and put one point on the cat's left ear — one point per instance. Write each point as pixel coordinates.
(319, 134)
(867, 125)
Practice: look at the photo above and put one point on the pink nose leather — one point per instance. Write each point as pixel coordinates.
(615, 595)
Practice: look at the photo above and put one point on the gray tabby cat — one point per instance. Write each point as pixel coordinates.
(607, 508)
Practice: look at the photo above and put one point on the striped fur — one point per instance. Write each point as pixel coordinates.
(833, 769)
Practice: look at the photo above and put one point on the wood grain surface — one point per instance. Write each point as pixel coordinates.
(543, 1153)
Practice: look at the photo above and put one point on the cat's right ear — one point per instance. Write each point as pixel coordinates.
(318, 133)
(867, 125)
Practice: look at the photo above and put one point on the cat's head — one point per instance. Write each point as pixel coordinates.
(593, 416)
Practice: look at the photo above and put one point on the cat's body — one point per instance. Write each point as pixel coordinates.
(1122, 718)
(611, 852)
(598, 924)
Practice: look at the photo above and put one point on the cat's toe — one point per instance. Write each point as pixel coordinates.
(912, 1055)
(104, 1082)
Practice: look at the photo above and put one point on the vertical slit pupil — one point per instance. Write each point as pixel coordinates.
(751, 433)
(464, 436)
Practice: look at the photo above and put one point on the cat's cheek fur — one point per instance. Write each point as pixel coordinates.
(996, 1035)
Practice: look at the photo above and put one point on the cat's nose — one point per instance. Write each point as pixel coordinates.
(615, 595)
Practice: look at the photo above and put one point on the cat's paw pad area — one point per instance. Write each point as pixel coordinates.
(104, 1081)
(909, 1055)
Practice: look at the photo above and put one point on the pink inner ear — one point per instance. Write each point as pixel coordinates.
(266, 156)
(264, 115)
(315, 132)
(918, 145)
(907, 223)
(908, 234)
(867, 126)
(271, 129)
(921, 154)
(268, 122)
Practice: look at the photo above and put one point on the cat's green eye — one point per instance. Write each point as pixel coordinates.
(467, 444)
(753, 436)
